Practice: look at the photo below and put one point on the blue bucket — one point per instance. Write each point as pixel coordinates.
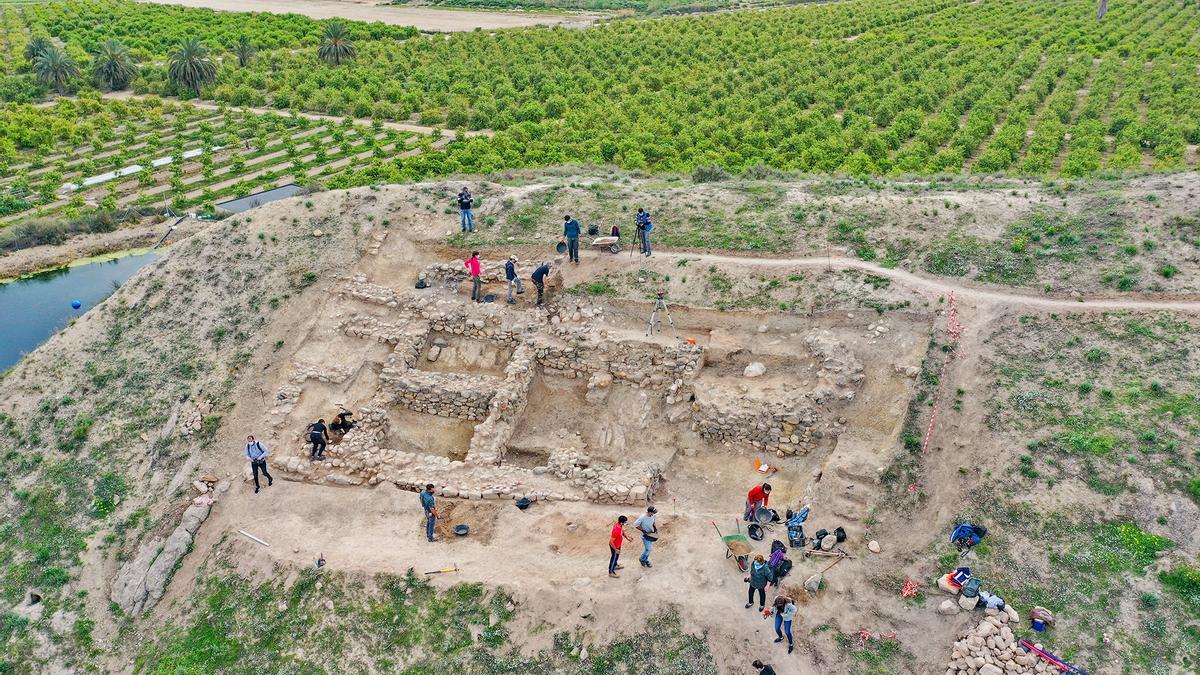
(1038, 625)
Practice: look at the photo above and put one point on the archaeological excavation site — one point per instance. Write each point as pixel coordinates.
(579, 401)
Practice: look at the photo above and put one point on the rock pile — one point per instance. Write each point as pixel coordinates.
(194, 419)
(990, 648)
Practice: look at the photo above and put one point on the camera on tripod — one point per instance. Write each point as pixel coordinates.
(660, 293)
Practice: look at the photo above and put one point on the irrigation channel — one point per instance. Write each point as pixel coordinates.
(40, 305)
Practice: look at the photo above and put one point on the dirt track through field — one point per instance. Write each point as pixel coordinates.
(422, 18)
(960, 289)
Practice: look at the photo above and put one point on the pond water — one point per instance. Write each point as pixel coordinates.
(37, 307)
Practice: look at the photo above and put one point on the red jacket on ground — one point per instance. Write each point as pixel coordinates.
(474, 267)
(757, 494)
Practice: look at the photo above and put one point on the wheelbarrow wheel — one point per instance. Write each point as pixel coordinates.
(615, 248)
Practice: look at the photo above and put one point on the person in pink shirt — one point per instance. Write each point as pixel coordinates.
(475, 269)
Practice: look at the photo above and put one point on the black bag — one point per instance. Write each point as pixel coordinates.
(971, 588)
(783, 568)
(840, 533)
(593, 230)
(777, 545)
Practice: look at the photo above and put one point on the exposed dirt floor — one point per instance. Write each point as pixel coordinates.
(423, 18)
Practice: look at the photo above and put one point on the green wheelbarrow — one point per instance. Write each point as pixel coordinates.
(737, 546)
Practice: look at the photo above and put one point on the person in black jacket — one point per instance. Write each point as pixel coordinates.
(539, 280)
(465, 202)
(318, 434)
(510, 274)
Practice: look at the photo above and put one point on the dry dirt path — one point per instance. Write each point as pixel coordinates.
(421, 18)
(965, 291)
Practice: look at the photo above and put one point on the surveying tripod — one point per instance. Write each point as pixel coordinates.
(660, 304)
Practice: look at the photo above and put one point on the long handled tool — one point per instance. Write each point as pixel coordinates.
(253, 537)
(446, 570)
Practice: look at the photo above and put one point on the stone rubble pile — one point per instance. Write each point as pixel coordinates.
(840, 371)
(990, 648)
(194, 419)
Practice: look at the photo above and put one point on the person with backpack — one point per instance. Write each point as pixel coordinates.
(465, 202)
(256, 452)
(760, 576)
(785, 611)
(510, 275)
(475, 269)
(571, 234)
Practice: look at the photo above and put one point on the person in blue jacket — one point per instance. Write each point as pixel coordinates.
(571, 233)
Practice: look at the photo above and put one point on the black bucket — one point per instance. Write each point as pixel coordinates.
(561, 247)
(755, 531)
(462, 529)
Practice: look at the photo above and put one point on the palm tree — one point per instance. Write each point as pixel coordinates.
(112, 66)
(244, 51)
(55, 67)
(36, 47)
(337, 46)
(190, 67)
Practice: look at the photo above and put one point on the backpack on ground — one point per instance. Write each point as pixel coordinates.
(971, 588)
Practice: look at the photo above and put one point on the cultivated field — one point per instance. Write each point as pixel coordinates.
(114, 154)
(871, 87)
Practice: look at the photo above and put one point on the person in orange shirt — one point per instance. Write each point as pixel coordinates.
(614, 545)
(757, 498)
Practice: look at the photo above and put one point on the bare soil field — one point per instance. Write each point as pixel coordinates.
(422, 18)
(894, 401)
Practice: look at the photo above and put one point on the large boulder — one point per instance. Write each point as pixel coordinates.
(755, 369)
(142, 580)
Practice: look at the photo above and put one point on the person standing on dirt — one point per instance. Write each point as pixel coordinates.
(429, 503)
(256, 452)
(648, 527)
(760, 576)
(465, 202)
(614, 545)
(571, 234)
(475, 269)
(785, 611)
(514, 281)
(318, 434)
(539, 280)
(646, 228)
(757, 498)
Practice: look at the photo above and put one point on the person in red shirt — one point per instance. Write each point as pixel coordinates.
(757, 498)
(614, 545)
(475, 269)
